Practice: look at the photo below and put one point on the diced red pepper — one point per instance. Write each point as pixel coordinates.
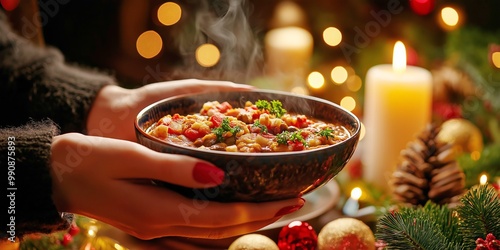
(176, 117)
(302, 121)
(193, 134)
(296, 145)
(216, 120)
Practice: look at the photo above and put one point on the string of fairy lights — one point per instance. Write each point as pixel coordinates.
(149, 45)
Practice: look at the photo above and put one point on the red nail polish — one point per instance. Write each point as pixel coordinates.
(290, 209)
(207, 173)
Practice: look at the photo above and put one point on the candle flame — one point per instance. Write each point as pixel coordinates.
(399, 57)
(356, 193)
(483, 179)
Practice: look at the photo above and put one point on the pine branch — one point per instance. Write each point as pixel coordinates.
(415, 229)
(479, 214)
(443, 217)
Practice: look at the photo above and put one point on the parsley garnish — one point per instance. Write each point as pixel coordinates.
(263, 105)
(257, 124)
(285, 137)
(225, 127)
(274, 107)
(327, 132)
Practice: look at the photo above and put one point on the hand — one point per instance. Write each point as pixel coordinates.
(107, 179)
(114, 110)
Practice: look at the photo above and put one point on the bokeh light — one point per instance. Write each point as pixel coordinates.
(495, 59)
(354, 83)
(362, 132)
(169, 13)
(332, 36)
(299, 90)
(207, 55)
(356, 193)
(149, 44)
(450, 16)
(483, 180)
(339, 75)
(348, 103)
(316, 80)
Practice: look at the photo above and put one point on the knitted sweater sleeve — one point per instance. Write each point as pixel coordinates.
(36, 84)
(26, 153)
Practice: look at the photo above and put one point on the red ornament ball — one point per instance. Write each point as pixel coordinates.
(422, 7)
(297, 235)
(9, 5)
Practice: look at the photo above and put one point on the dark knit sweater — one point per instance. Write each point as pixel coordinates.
(40, 97)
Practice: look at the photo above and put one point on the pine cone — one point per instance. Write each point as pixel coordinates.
(452, 85)
(428, 171)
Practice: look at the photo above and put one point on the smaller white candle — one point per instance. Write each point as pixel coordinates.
(288, 52)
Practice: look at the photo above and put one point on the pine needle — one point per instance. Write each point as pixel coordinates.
(413, 229)
(479, 214)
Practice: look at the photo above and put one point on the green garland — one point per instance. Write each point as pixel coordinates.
(488, 163)
(439, 227)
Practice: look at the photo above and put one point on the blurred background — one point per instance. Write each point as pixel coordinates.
(148, 41)
(322, 48)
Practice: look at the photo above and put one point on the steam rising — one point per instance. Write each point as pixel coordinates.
(225, 24)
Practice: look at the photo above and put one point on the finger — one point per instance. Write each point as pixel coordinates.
(205, 213)
(207, 233)
(158, 91)
(128, 160)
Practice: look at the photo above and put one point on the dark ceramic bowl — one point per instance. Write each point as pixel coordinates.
(256, 177)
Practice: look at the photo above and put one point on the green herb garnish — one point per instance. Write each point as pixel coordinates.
(225, 127)
(263, 105)
(274, 107)
(327, 132)
(257, 124)
(285, 137)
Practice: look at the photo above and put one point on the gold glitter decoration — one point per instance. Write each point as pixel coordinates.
(463, 134)
(253, 242)
(346, 234)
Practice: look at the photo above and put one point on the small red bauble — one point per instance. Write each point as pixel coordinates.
(422, 7)
(9, 5)
(297, 235)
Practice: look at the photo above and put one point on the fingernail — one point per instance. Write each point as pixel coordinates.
(207, 173)
(290, 209)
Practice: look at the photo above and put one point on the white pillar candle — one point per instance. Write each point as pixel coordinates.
(397, 107)
(288, 52)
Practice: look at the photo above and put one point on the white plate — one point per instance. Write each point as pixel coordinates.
(317, 203)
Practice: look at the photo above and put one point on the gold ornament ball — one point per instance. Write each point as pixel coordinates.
(463, 134)
(346, 234)
(253, 242)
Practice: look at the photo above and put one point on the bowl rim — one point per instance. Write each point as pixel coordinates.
(260, 154)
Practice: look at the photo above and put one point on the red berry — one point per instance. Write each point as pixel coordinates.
(67, 239)
(74, 230)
